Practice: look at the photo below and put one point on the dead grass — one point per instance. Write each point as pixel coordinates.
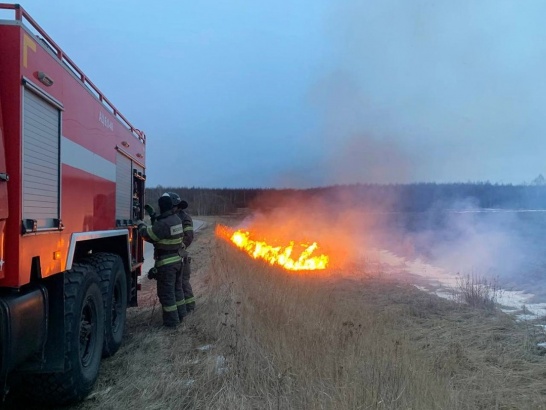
(262, 338)
(334, 343)
(478, 291)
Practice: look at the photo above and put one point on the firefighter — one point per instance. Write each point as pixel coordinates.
(187, 224)
(166, 235)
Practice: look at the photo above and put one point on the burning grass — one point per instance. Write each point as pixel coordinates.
(267, 338)
(290, 256)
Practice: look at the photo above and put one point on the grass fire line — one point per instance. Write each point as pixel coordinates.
(292, 257)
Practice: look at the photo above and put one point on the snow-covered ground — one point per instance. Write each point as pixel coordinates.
(443, 283)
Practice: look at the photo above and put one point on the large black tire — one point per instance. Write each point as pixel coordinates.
(111, 272)
(84, 337)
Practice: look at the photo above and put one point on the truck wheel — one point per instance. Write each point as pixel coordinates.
(111, 272)
(84, 337)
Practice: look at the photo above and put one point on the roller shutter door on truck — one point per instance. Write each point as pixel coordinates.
(41, 170)
(124, 186)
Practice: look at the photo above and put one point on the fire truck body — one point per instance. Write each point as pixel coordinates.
(71, 185)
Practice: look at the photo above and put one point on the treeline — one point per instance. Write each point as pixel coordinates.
(207, 201)
(418, 197)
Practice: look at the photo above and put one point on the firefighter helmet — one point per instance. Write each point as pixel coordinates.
(175, 198)
(165, 203)
(177, 201)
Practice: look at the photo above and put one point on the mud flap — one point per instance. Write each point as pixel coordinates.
(20, 339)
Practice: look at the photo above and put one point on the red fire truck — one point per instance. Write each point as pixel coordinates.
(72, 173)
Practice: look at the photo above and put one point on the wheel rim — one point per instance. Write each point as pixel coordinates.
(88, 332)
(117, 306)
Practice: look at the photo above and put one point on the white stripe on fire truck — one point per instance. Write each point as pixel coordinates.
(80, 157)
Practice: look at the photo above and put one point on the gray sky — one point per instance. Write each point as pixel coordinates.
(242, 93)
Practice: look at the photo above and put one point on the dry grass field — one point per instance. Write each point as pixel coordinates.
(263, 338)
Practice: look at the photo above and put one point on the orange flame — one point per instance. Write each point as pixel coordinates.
(284, 256)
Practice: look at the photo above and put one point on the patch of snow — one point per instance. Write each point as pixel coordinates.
(221, 366)
(391, 263)
(441, 281)
(205, 348)
(525, 317)
(444, 295)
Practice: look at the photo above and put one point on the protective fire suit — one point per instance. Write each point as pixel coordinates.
(187, 224)
(166, 235)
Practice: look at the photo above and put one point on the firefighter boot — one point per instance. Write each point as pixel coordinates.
(186, 286)
(170, 319)
(182, 311)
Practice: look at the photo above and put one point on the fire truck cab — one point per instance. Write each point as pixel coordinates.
(72, 175)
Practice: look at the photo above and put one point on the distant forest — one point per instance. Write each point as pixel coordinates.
(418, 197)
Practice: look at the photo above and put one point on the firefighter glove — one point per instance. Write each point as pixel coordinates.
(149, 209)
(152, 273)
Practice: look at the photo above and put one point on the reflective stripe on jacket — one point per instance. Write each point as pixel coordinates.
(166, 235)
(187, 224)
